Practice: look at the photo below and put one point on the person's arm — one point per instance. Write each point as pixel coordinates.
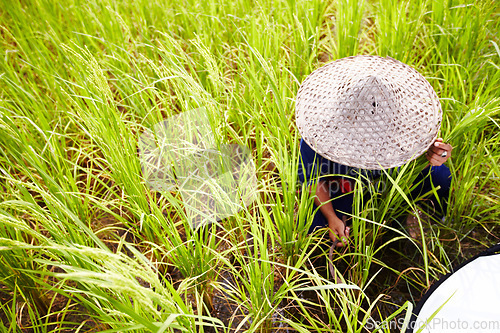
(309, 166)
(336, 225)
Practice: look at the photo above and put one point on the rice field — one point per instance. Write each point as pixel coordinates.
(87, 245)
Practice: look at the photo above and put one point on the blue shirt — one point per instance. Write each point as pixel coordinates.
(313, 167)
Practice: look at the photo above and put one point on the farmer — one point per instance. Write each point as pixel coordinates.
(357, 116)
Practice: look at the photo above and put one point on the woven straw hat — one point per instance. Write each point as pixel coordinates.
(368, 112)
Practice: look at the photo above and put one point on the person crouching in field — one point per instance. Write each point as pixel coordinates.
(357, 116)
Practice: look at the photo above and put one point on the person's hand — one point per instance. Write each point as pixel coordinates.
(339, 233)
(439, 152)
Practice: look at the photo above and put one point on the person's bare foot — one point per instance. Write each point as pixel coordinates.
(412, 225)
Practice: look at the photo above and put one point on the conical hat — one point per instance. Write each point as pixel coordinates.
(368, 112)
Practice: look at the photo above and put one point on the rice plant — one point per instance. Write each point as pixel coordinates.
(86, 244)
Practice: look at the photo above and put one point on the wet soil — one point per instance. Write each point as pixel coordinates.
(64, 315)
